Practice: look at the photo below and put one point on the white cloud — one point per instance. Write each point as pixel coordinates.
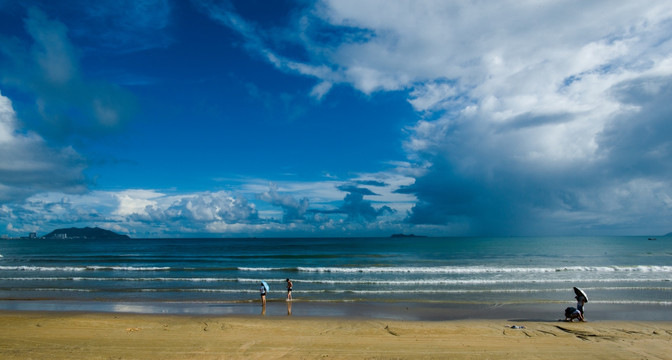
(28, 166)
(321, 89)
(534, 115)
(432, 96)
(258, 209)
(136, 201)
(522, 93)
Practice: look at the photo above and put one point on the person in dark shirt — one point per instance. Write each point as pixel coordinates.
(289, 290)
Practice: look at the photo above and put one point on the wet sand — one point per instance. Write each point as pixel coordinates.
(416, 311)
(70, 335)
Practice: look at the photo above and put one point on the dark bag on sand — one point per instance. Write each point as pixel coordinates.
(569, 311)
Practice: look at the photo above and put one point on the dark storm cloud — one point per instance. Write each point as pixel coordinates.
(639, 142)
(624, 183)
(446, 197)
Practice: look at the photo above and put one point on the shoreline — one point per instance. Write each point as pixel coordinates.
(400, 311)
(67, 335)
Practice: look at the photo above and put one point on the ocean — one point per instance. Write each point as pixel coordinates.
(445, 276)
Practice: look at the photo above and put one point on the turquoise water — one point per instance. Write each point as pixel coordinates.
(530, 270)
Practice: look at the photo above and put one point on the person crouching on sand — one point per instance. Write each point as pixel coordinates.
(289, 290)
(262, 291)
(573, 313)
(580, 302)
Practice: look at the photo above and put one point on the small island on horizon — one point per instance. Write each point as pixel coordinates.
(406, 236)
(84, 233)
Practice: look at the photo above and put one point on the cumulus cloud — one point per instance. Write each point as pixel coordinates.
(546, 117)
(139, 212)
(196, 210)
(530, 113)
(526, 151)
(154, 213)
(357, 208)
(46, 211)
(292, 208)
(28, 166)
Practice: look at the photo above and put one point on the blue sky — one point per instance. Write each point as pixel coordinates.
(336, 118)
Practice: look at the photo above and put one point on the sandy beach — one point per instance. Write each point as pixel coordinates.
(54, 335)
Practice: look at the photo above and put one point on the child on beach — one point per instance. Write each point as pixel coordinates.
(289, 290)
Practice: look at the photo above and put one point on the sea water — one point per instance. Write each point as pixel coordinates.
(443, 271)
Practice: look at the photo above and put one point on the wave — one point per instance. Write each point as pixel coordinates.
(372, 269)
(84, 268)
(633, 302)
(382, 282)
(309, 282)
(462, 269)
(121, 279)
(329, 291)
(129, 268)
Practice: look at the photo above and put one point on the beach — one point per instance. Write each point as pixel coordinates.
(59, 335)
(355, 298)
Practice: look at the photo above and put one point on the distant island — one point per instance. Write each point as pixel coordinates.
(406, 235)
(85, 233)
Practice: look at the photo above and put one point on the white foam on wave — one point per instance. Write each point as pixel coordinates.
(464, 269)
(632, 302)
(264, 269)
(388, 283)
(84, 268)
(60, 289)
(42, 268)
(373, 269)
(129, 268)
(78, 278)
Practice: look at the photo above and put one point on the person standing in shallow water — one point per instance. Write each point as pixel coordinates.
(262, 291)
(289, 290)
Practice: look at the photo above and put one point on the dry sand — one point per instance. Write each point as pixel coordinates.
(51, 335)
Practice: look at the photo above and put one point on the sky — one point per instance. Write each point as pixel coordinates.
(203, 118)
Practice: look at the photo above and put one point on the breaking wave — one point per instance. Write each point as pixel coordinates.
(465, 269)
